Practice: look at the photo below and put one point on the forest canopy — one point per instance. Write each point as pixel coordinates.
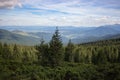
(53, 61)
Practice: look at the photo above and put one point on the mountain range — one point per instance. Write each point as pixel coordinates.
(32, 35)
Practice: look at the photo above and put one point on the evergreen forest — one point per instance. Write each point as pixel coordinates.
(98, 60)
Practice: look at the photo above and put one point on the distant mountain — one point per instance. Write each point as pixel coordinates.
(47, 36)
(102, 31)
(115, 26)
(99, 33)
(112, 36)
(10, 37)
(93, 39)
(32, 35)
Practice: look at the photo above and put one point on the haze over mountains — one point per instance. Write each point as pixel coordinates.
(31, 35)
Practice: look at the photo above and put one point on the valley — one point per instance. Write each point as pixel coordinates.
(32, 36)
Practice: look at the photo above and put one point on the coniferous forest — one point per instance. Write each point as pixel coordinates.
(55, 61)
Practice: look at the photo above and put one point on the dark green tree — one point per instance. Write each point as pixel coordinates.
(43, 53)
(56, 49)
(1, 50)
(17, 56)
(76, 56)
(94, 56)
(119, 55)
(101, 57)
(69, 56)
(6, 54)
(40, 49)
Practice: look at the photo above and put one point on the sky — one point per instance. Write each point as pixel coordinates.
(59, 12)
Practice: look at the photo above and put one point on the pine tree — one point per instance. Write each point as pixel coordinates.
(101, 57)
(40, 49)
(1, 50)
(26, 56)
(56, 49)
(43, 53)
(17, 56)
(6, 54)
(87, 59)
(76, 56)
(94, 56)
(69, 56)
(119, 56)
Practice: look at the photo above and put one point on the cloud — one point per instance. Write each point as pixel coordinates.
(0, 19)
(114, 4)
(77, 7)
(9, 4)
(29, 19)
(61, 12)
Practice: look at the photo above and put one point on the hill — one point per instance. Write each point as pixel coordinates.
(99, 33)
(10, 37)
(32, 35)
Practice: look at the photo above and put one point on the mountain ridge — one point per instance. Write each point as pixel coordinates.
(9, 37)
(77, 35)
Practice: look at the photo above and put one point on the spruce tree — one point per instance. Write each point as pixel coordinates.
(43, 53)
(17, 56)
(56, 49)
(101, 57)
(6, 54)
(69, 52)
(1, 50)
(40, 49)
(94, 56)
(76, 56)
(119, 56)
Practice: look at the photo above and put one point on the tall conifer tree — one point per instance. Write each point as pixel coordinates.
(69, 52)
(56, 49)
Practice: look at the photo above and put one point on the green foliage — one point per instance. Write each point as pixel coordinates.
(68, 71)
(102, 58)
(91, 61)
(77, 55)
(56, 50)
(51, 54)
(69, 56)
(43, 53)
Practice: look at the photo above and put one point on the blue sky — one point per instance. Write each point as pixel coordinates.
(59, 12)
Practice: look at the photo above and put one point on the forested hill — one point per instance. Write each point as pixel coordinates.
(104, 42)
(12, 38)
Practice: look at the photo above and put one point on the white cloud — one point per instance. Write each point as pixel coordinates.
(79, 13)
(74, 6)
(9, 4)
(29, 19)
